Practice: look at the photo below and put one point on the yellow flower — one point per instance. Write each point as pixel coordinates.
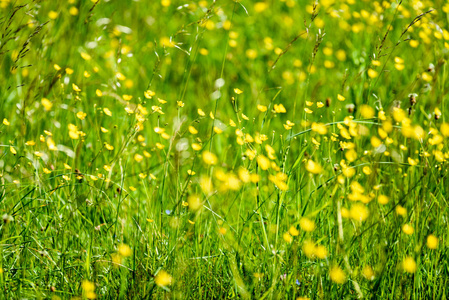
(238, 91)
(313, 167)
(52, 14)
(412, 162)
(400, 210)
(138, 158)
(320, 252)
(209, 158)
(368, 273)
(308, 247)
(337, 275)
(340, 97)
(120, 76)
(88, 289)
(107, 111)
(73, 11)
(382, 199)
(13, 150)
(359, 212)
(351, 155)
(163, 279)
(279, 108)
(372, 73)
(46, 104)
(444, 129)
(260, 7)
(194, 202)
(319, 128)
(409, 265)
(432, 242)
(108, 146)
(367, 111)
(293, 231)
(263, 161)
(124, 250)
(287, 237)
(75, 88)
(81, 115)
(408, 229)
(149, 94)
(306, 224)
(85, 56)
(261, 108)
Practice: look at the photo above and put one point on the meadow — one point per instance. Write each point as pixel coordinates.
(180, 149)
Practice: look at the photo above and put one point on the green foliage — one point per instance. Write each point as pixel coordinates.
(199, 149)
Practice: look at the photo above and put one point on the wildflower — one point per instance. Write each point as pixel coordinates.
(73, 11)
(308, 110)
(407, 229)
(308, 247)
(359, 212)
(124, 250)
(85, 56)
(149, 94)
(120, 76)
(138, 158)
(319, 128)
(412, 162)
(306, 224)
(238, 91)
(368, 273)
(47, 104)
(263, 162)
(163, 279)
(409, 265)
(293, 231)
(400, 210)
(382, 199)
(337, 275)
(432, 242)
(367, 111)
(194, 202)
(209, 158)
(81, 115)
(279, 108)
(75, 88)
(107, 112)
(261, 108)
(287, 237)
(313, 167)
(88, 289)
(372, 73)
(320, 252)
(52, 14)
(444, 129)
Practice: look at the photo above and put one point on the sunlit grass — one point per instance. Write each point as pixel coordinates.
(199, 149)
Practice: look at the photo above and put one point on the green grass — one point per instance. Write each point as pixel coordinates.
(200, 185)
